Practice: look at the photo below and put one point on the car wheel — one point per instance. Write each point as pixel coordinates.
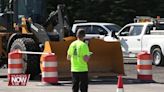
(158, 57)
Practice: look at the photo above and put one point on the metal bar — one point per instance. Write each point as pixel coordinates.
(30, 52)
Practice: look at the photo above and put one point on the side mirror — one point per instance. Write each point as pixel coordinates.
(124, 34)
(114, 35)
(1, 14)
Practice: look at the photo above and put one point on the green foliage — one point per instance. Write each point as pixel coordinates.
(116, 11)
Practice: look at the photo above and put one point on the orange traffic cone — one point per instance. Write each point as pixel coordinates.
(120, 84)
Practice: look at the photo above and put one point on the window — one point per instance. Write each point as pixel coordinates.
(136, 30)
(115, 28)
(157, 27)
(125, 31)
(160, 27)
(98, 30)
(87, 28)
(2, 6)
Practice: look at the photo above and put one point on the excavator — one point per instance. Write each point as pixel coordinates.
(24, 26)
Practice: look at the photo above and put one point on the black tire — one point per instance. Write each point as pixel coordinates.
(31, 62)
(158, 58)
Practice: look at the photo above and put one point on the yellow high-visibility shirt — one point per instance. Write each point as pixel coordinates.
(77, 50)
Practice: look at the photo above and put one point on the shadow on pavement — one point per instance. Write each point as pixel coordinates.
(114, 80)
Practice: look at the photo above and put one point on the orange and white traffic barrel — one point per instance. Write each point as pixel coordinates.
(15, 65)
(49, 69)
(144, 66)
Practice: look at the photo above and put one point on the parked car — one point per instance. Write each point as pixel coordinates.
(96, 30)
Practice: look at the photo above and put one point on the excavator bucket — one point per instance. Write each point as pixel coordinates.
(107, 59)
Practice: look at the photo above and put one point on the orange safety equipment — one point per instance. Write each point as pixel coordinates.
(144, 66)
(15, 65)
(49, 72)
(120, 84)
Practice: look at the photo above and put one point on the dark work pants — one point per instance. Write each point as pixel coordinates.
(80, 80)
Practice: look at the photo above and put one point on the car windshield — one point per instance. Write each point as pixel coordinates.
(115, 28)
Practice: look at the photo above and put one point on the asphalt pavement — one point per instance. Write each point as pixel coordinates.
(109, 84)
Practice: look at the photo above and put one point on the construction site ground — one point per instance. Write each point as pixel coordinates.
(109, 84)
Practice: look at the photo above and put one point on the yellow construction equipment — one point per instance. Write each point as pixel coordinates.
(106, 60)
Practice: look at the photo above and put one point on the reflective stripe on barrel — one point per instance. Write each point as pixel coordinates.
(15, 65)
(49, 72)
(144, 66)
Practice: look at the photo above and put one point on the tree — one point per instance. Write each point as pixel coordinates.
(116, 11)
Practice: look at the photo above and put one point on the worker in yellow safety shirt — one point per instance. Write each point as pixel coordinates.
(78, 53)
